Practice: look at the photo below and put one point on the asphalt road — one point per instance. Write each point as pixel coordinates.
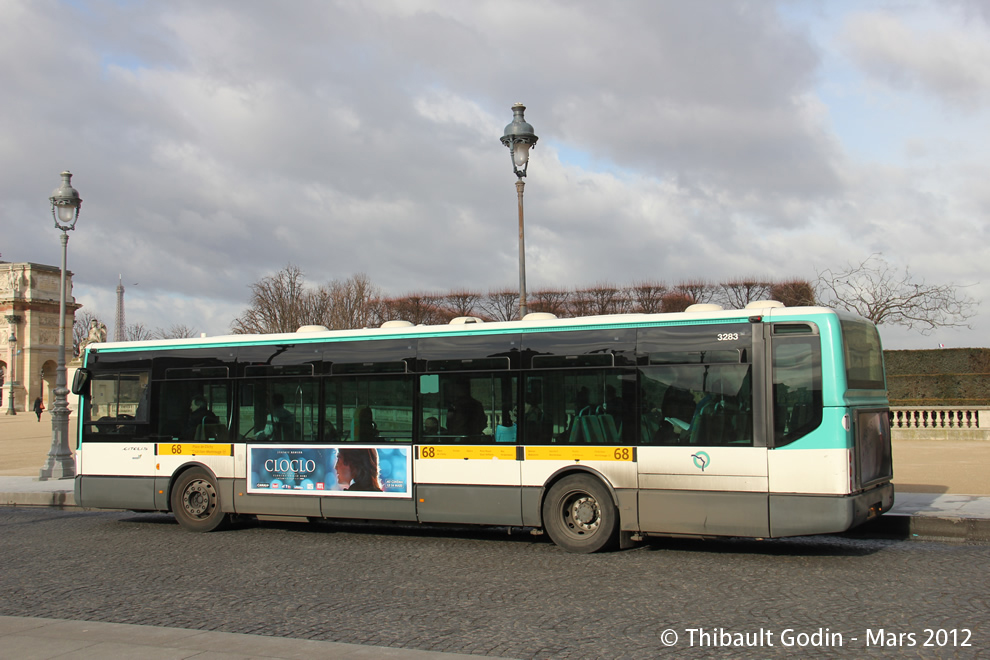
(483, 591)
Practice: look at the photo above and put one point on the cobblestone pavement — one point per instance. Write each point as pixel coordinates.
(489, 593)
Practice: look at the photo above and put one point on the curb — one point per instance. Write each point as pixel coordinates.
(888, 526)
(59, 499)
(926, 528)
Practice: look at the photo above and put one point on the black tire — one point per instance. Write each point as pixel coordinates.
(580, 516)
(196, 502)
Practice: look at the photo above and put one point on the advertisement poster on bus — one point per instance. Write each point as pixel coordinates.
(337, 470)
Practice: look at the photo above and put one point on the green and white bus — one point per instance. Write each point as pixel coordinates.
(761, 422)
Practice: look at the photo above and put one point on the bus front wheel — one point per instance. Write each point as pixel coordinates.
(579, 515)
(196, 503)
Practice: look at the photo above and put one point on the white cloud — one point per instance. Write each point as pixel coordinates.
(948, 59)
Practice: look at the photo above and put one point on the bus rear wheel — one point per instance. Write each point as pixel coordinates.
(580, 516)
(196, 503)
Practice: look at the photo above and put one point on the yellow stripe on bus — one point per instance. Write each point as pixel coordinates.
(195, 449)
(484, 452)
(573, 453)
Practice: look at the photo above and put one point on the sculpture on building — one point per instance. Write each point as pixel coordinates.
(97, 334)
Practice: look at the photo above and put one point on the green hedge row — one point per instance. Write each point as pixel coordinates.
(942, 377)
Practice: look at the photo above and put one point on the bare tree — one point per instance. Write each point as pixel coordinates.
(460, 302)
(283, 303)
(580, 304)
(877, 290)
(501, 305)
(736, 294)
(794, 293)
(137, 332)
(418, 308)
(605, 298)
(174, 331)
(378, 312)
(551, 301)
(345, 304)
(699, 291)
(279, 303)
(676, 302)
(647, 296)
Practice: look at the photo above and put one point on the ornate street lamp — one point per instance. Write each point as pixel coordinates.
(65, 210)
(519, 138)
(12, 344)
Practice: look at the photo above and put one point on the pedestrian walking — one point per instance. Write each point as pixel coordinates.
(39, 407)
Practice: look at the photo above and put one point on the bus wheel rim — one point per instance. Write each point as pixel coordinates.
(583, 514)
(198, 499)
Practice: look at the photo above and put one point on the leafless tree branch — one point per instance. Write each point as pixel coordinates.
(877, 290)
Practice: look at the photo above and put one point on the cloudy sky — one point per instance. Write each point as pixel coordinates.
(214, 143)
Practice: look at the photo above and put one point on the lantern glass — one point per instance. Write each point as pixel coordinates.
(520, 153)
(66, 214)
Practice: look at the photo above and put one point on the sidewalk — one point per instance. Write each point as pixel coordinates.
(23, 637)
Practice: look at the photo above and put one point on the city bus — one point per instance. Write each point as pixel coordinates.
(600, 431)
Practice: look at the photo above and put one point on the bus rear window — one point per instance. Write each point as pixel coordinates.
(863, 355)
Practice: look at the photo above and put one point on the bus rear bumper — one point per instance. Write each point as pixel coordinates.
(800, 515)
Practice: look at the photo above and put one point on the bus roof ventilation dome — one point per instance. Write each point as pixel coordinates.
(397, 324)
(312, 328)
(704, 307)
(763, 304)
(464, 320)
(539, 316)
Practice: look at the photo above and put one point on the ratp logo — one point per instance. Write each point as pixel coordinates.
(701, 460)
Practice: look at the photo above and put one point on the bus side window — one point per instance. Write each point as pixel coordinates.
(469, 407)
(696, 404)
(579, 406)
(279, 410)
(368, 408)
(194, 410)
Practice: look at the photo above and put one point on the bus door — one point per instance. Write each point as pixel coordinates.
(703, 458)
(117, 441)
(467, 462)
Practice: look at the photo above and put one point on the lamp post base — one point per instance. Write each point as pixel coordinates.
(58, 467)
(60, 464)
(10, 397)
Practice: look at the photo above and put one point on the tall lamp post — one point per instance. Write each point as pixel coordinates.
(12, 343)
(65, 210)
(519, 137)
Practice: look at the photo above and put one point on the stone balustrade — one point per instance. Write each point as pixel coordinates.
(940, 422)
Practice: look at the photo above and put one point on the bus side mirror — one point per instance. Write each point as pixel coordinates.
(80, 381)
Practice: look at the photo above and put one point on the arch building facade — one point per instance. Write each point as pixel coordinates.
(29, 309)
